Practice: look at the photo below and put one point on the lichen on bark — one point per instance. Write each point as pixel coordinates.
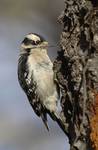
(76, 69)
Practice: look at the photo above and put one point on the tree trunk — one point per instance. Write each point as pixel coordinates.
(76, 69)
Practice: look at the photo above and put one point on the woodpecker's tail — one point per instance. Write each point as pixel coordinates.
(56, 117)
(44, 119)
(61, 124)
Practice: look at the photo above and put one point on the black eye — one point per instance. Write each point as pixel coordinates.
(38, 42)
(35, 42)
(32, 42)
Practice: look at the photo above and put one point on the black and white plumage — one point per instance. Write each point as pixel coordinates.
(36, 77)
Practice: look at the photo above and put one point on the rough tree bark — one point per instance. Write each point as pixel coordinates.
(76, 69)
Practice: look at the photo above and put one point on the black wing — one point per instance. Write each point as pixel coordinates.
(30, 89)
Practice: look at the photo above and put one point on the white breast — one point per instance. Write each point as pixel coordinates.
(42, 68)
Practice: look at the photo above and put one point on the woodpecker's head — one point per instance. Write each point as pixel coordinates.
(33, 41)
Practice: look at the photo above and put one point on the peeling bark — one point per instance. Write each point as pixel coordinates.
(76, 69)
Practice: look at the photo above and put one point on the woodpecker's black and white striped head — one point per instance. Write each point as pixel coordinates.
(33, 41)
